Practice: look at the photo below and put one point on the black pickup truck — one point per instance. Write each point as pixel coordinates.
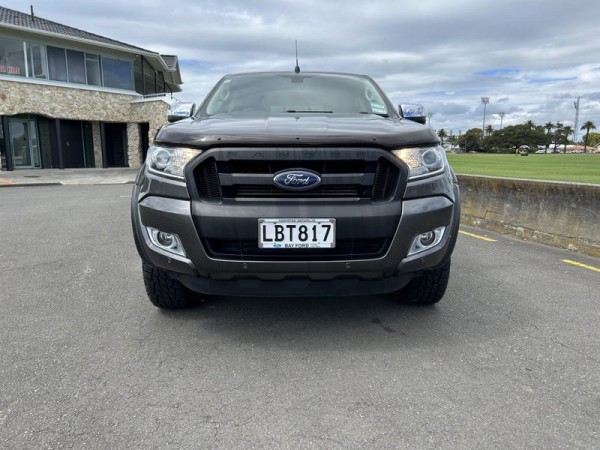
(295, 184)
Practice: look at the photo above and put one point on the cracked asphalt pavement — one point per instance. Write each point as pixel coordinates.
(510, 358)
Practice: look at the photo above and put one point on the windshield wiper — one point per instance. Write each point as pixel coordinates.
(308, 111)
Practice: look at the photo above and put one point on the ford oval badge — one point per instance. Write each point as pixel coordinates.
(296, 180)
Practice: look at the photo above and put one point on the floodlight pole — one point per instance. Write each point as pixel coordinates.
(501, 117)
(485, 101)
(576, 129)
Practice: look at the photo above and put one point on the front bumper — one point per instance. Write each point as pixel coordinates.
(210, 275)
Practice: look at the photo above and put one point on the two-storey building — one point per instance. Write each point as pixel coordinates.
(70, 98)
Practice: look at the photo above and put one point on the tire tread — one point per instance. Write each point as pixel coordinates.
(163, 291)
(427, 289)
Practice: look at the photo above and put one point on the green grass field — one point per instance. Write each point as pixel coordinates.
(575, 168)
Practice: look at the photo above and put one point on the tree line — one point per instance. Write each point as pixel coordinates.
(512, 137)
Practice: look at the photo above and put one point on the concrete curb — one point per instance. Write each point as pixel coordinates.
(67, 177)
(15, 185)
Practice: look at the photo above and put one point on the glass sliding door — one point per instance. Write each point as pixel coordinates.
(25, 142)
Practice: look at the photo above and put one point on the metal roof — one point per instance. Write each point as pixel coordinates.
(35, 23)
(171, 61)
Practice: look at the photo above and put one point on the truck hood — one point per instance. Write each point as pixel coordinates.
(296, 130)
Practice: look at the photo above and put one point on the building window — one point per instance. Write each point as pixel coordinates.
(92, 68)
(117, 73)
(160, 83)
(76, 67)
(57, 63)
(149, 79)
(36, 56)
(12, 57)
(33, 60)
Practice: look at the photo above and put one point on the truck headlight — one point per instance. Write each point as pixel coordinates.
(422, 162)
(169, 161)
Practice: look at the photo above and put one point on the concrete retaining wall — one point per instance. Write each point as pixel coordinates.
(566, 215)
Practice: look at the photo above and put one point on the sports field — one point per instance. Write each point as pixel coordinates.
(575, 168)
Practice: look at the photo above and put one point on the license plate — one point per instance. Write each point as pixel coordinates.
(296, 233)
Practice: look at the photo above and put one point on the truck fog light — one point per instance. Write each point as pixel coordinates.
(166, 241)
(427, 240)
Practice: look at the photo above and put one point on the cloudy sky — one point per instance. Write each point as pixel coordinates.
(532, 58)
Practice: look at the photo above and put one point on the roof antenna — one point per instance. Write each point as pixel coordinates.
(32, 15)
(297, 68)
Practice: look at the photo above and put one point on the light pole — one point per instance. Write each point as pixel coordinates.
(575, 131)
(485, 101)
(501, 117)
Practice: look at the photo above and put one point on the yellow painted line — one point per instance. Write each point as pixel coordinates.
(6, 181)
(584, 266)
(476, 236)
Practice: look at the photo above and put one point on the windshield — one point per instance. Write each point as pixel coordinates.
(291, 93)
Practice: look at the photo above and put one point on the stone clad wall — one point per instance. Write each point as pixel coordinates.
(134, 145)
(73, 103)
(97, 144)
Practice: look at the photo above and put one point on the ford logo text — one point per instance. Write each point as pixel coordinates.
(296, 180)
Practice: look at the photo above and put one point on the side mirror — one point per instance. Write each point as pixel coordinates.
(413, 112)
(179, 111)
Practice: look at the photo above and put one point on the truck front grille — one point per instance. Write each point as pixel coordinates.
(246, 173)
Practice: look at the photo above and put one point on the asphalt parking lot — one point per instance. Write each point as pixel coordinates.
(509, 359)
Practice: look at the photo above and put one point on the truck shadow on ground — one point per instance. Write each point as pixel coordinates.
(353, 323)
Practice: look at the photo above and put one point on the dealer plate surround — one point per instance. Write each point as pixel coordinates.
(296, 233)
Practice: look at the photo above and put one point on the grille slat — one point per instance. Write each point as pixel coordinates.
(274, 192)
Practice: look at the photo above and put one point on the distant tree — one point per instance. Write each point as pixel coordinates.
(455, 140)
(558, 132)
(566, 132)
(442, 134)
(589, 125)
(548, 127)
(594, 139)
(510, 138)
(471, 140)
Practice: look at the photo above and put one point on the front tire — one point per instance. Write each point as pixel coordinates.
(427, 289)
(163, 291)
